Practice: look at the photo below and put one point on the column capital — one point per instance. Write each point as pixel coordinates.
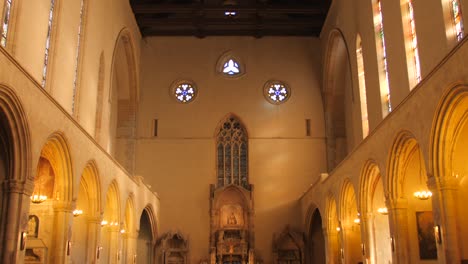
(63, 206)
(394, 204)
(449, 183)
(15, 186)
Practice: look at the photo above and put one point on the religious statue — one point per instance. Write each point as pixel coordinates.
(231, 220)
(33, 227)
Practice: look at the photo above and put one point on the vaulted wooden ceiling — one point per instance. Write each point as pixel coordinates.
(230, 17)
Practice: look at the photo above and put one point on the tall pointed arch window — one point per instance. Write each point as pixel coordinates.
(232, 153)
(415, 69)
(77, 58)
(5, 22)
(457, 18)
(362, 88)
(47, 46)
(382, 54)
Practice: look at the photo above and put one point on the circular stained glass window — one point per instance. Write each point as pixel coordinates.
(185, 92)
(277, 92)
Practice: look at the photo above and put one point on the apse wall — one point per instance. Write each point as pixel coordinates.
(180, 161)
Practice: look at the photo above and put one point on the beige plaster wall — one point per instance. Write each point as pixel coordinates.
(180, 162)
(102, 23)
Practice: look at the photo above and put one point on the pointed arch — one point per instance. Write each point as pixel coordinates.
(232, 152)
(336, 75)
(57, 152)
(91, 185)
(403, 148)
(123, 95)
(15, 170)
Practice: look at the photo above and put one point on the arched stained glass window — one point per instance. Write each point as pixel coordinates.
(457, 18)
(414, 42)
(5, 22)
(47, 46)
(384, 83)
(232, 153)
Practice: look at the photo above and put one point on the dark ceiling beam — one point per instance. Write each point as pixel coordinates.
(224, 32)
(167, 22)
(189, 9)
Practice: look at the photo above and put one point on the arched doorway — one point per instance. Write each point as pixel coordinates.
(86, 222)
(449, 155)
(15, 167)
(334, 248)
(146, 238)
(123, 98)
(316, 240)
(50, 214)
(412, 220)
(109, 251)
(374, 215)
(350, 225)
(129, 232)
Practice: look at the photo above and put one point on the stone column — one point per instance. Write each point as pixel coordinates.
(94, 230)
(63, 217)
(130, 241)
(398, 218)
(114, 245)
(367, 220)
(448, 218)
(18, 196)
(332, 246)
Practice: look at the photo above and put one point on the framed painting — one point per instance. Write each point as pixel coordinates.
(426, 236)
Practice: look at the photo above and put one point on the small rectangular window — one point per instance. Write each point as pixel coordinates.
(307, 124)
(155, 127)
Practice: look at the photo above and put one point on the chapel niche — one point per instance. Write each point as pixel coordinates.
(173, 248)
(288, 247)
(231, 199)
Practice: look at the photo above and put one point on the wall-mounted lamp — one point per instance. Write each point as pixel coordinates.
(23, 237)
(438, 234)
(104, 222)
(77, 212)
(382, 210)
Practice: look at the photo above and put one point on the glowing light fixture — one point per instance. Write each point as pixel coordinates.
(357, 221)
(77, 212)
(38, 198)
(230, 13)
(104, 222)
(382, 210)
(338, 229)
(423, 194)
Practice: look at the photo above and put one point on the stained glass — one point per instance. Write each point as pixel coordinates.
(231, 67)
(277, 93)
(185, 92)
(414, 41)
(77, 58)
(49, 33)
(232, 154)
(5, 22)
(457, 19)
(380, 31)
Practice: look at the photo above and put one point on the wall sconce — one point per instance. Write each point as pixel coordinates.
(357, 221)
(338, 229)
(382, 210)
(104, 222)
(134, 258)
(423, 195)
(98, 252)
(23, 237)
(392, 244)
(68, 247)
(122, 231)
(363, 249)
(437, 234)
(77, 212)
